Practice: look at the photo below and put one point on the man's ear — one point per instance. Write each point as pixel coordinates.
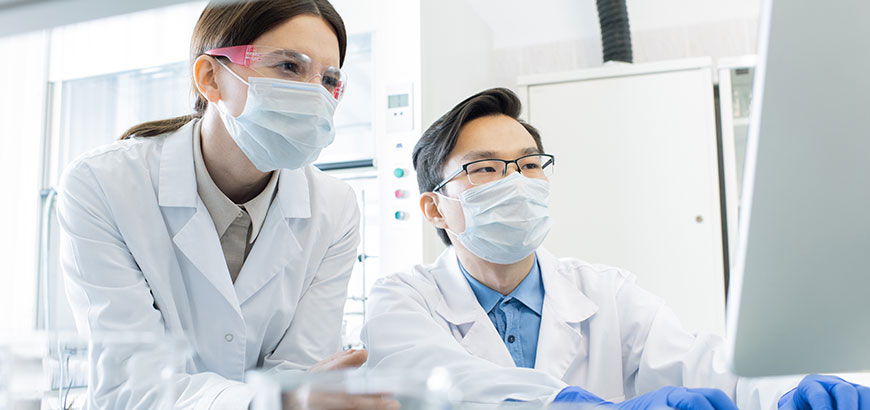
(204, 76)
(429, 206)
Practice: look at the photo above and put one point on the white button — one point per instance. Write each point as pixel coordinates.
(228, 337)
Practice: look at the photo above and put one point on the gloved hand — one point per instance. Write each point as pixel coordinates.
(680, 398)
(817, 392)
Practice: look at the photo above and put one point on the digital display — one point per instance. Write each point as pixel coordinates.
(397, 101)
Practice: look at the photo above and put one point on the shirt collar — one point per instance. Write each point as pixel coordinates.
(530, 291)
(222, 210)
(259, 206)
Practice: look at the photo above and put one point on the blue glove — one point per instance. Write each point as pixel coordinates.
(817, 392)
(680, 398)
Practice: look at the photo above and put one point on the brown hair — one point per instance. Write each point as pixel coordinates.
(224, 24)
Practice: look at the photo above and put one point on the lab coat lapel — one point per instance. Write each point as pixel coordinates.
(276, 245)
(199, 242)
(460, 307)
(195, 236)
(565, 308)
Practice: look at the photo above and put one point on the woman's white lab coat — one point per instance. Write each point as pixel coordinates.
(599, 330)
(140, 253)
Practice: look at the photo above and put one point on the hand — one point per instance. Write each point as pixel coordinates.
(680, 398)
(341, 360)
(817, 392)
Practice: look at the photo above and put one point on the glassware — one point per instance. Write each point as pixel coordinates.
(360, 388)
(106, 371)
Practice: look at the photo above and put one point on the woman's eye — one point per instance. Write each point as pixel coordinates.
(330, 82)
(290, 67)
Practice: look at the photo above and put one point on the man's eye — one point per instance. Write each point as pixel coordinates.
(483, 170)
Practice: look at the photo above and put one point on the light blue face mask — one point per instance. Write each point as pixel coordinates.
(505, 220)
(285, 124)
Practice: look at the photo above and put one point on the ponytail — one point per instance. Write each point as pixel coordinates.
(154, 128)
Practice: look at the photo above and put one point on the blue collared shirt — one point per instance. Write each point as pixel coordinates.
(516, 316)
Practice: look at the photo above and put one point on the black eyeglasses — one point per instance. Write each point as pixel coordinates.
(484, 171)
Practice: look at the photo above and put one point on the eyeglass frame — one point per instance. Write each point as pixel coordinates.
(516, 162)
(244, 55)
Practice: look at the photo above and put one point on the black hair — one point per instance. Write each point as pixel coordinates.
(438, 141)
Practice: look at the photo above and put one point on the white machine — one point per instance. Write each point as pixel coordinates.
(799, 299)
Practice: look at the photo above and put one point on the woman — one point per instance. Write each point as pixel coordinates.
(215, 225)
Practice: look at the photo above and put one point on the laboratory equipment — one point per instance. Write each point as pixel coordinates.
(798, 298)
(62, 370)
(735, 97)
(312, 391)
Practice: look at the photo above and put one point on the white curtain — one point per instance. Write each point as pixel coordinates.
(22, 82)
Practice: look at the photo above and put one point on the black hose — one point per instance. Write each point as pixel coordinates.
(615, 32)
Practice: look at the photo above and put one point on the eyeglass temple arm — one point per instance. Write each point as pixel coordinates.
(448, 179)
(237, 54)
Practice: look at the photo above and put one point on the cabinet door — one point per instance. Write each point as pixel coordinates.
(637, 182)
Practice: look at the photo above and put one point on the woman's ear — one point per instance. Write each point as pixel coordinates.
(429, 206)
(204, 76)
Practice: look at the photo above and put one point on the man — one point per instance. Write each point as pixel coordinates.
(512, 322)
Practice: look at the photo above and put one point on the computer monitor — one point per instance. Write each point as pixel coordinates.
(800, 289)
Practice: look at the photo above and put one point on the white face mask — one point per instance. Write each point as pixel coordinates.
(505, 220)
(285, 124)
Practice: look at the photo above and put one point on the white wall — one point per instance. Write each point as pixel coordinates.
(516, 23)
(564, 35)
(457, 61)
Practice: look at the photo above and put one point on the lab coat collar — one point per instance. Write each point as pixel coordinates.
(177, 186)
(561, 292)
(291, 201)
(264, 263)
(197, 237)
(530, 292)
(560, 340)
(293, 193)
(565, 308)
(460, 307)
(569, 304)
(177, 179)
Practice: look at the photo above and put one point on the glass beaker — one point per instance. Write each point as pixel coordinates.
(62, 370)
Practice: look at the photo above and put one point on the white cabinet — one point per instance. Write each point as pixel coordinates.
(637, 177)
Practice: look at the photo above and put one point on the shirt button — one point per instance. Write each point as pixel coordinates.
(229, 337)
(511, 339)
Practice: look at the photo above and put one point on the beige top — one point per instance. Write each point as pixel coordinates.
(246, 219)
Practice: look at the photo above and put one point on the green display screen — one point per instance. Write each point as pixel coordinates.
(397, 101)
